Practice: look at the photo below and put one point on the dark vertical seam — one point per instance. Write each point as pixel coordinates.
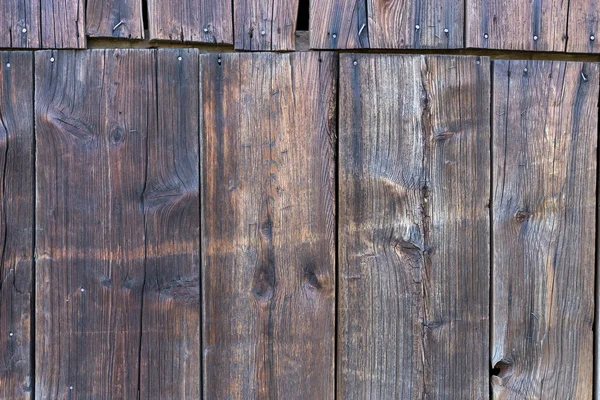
(595, 324)
(336, 174)
(199, 89)
(567, 27)
(34, 237)
(491, 227)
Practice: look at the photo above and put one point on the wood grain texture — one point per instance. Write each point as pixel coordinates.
(16, 223)
(63, 24)
(265, 25)
(202, 21)
(16, 15)
(545, 120)
(117, 267)
(414, 232)
(268, 242)
(114, 18)
(584, 21)
(338, 24)
(170, 359)
(418, 24)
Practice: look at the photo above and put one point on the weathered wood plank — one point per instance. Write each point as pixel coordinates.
(16, 223)
(544, 176)
(268, 243)
(338, 24)
(170, 360)
(203, 21)
(414, 227)
(265, 25)
(584, 21)
(114, 18)
(16, 16)
(418, 24)
(63, 24)
(517, 25)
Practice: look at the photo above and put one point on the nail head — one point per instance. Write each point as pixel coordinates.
(7, 65)
(82, 289)
(179, 58)
(24, 30)
(263, 33)
(592, 38)
(334, 35)
(205, 30)
(485, 36)
(51, 59)
(11, 334)
(417, 27)
(446, 30)
(535, 37)
(355, 62)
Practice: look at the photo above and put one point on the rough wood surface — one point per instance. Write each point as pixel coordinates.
(63, 24)
(265, 25)
(117, 310)
(16, 15)
(16, 223)
(517, 25)
(268, 242)
(584, 21)
(338, 24)
(545, 135)
(114, 18)
(202, 21)
(414, 227)
(418, 24)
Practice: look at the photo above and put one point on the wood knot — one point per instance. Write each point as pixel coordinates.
(310, 276)
(502, 368)
(522, 216)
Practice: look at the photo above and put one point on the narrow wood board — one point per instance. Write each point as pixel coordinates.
(16, 15)
(416, 24)
(16, 223)
(265, 25)
(203, 21)
(517, 25)
(545, 120)
(414, 227)
(62, 24)
(338, 24)
(584, 24)
(268, 241)
(117, 256)
(114, 18)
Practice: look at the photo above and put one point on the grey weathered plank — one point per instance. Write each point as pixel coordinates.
(203, 21)
(265, 25)
(114, 18)
(584, 21)
(16, 223)
(418, 24)
(268, 242)
(16, 15)
(338, 24)
(414, 227)
(62, 24)
(545, 120)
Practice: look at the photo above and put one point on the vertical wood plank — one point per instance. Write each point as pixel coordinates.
(63, 24)
(584, 21)
(16, 15)
(203, 21)
(16, 223)
(517, 25)
(94, 112)
(418, 24)
(170, 359)
(544, 174)
(114, 18)
(414, 227)
(265, 25)
(268, 238)
(338, 24)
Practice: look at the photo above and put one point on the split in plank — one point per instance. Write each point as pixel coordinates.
(265, 25)
(114, 18)
(62, 24)
(268, 222)
(545, 120)
(117, 268)
(16, 223)
(414, 226)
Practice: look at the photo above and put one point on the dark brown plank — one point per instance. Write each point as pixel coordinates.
(517, 25)
(268, 241)
(16, 16)
(545, 136)
(265, 25)
(414, 227)
(63, 24)
(16, 223)
(418, 24)
(584, 21)
(114, 18)
(338, 24)
(203, 21)
(170, 357)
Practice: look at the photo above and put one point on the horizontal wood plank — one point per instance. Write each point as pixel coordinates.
(265, 25)
(338, 24)
(114, 18)
(20, 23)
(62, 24)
